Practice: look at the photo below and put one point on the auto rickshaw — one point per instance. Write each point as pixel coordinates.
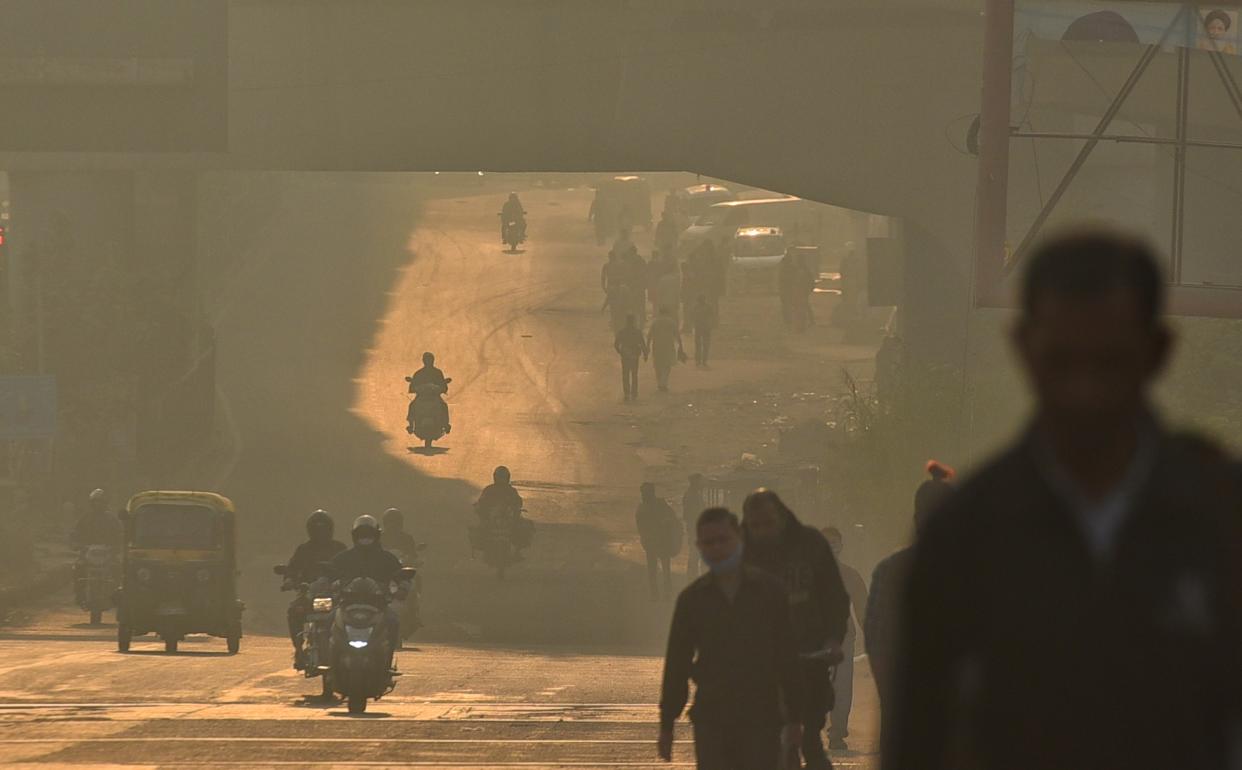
(179, 569)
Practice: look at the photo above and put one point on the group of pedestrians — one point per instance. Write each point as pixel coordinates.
(629, 282)
(1077, 603)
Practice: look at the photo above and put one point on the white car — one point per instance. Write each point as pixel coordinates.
(758, 248)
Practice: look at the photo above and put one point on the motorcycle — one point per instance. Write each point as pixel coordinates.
(499, 537)
(319, 598)
(513, 232)
(427, 416)
(361, 650)
(97, 580)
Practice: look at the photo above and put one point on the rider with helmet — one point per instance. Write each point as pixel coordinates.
(512, 211)
(500, 499)
(368, 559)
(96, 527)
(428, 375)
(307, 564)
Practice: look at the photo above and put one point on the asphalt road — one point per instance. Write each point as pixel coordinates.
(557, 667)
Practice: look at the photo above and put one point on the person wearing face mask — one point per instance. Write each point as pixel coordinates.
(368, 559)
(843, 679)
(731, 633)
(800, 557)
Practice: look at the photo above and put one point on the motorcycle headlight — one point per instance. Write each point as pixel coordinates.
(144, 574)
(358, 637)
(321, 604)
(358, 644)
(203, 575)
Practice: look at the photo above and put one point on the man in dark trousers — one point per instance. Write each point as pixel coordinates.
(660, 533)
(843, 678)
(704, 320)
(630, 344)
(732, 634)
(308, 563)
(1076, 604)
(800, 557)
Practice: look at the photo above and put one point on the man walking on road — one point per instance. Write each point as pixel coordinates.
(704, 321)
(843, 679)
(660, 533)
(664, 342)
(782, 546)
(732, 634)
(1078, 602)
(629, 344)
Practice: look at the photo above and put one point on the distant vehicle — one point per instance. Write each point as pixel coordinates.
(755, 253)
(179, 569)
(695, 200)
(621, 203)
(514, 233)
(426, 414)
(800, 221)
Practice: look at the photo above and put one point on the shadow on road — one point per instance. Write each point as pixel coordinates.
(428, 451)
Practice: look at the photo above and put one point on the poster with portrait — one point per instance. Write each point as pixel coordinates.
(1218, 30)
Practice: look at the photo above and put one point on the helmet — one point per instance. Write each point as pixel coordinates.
(501, 475)
(393, 518)
(365, 526)
(320, 522)
(429, 358)
(513, 196)
(98, 496)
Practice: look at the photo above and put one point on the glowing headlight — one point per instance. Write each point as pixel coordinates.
(322, 604)
(358, 644)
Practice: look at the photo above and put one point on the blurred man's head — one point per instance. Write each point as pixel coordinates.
(647, 490)
(765, 517)
(1090, 336)
(834, 538)
(501, 475)
(719, 539)
(429, 359)
(98, 500)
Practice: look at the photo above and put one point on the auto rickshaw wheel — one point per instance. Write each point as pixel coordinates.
(326, 693)
(234, 643)
(357, 704)
(170, 644)
(123, 637)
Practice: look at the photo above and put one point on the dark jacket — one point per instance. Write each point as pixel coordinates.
(428, 375)
(369, 561)
(880, 623)
(741, 655)
(804, 562)
(502, 498)
(97, 529)
(1057, 658)
(306, 564)
(656, 524)
(629, 342)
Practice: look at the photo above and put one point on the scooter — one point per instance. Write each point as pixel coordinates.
(497, 537)
(513, 232)
(98, 581)
(427, 416)
(361, 649)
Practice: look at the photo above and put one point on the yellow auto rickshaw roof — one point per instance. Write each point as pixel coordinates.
(208, 499)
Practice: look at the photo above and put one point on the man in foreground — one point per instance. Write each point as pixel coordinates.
(1076, 603)
(731, 631)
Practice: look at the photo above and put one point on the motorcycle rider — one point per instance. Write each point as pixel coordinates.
(512, 211)
(500, 499)
(306, 565)
(403, 545)
(368, 559)
(98, 526)
(428, 375)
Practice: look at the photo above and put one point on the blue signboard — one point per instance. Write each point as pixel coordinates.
(27, 407)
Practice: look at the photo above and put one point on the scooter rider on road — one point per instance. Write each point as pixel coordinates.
(512, 211)
(428, 375)
(368, 559)
(306, 565)
(500, 499)
(96, 527)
